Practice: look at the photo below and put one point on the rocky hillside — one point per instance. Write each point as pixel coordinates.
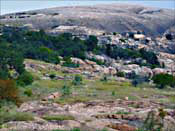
(110, 18)
(108, 68)
(91, 105)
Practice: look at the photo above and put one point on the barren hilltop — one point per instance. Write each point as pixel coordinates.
(110, 18)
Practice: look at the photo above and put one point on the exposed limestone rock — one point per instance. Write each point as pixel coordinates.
(139, 36)
(78, 61)
(71, 124)
(159, 71)
(169, 124)
(90, 62)
(53, 96)
(123, 127)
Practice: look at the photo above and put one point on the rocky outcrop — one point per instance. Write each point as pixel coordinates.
(94, 115)
(123, 127)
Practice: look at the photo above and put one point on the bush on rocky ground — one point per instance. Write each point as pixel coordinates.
(163, 80)
(25, 79)
(52, 76)
(77, 80)
(139, 80)
(66, 90)
(104, 78)
(97, 61)
(120, 74)
(28, 92)
(154, 122)
(68, 63)
(9, 91)
(58, 117)
(13, 115)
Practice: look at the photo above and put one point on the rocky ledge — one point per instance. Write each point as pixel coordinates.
(113, 115)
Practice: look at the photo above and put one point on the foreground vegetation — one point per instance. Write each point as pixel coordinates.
(80, 89)
(19, 85)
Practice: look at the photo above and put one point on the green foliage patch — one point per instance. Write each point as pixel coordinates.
(163, 80)
(58, 117)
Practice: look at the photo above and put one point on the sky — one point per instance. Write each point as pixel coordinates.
(11, 6)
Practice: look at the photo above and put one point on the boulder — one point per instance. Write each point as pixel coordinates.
(158, 71)
(121, 79)
(98, 124)
(112, 70)
(90, 62)
(132, 66)
(78, 61)
(117, 65)
(53, 96)
(87, 68)
(97, 68)
(144, 71)
(169, 124)
(139, 36)
(99, 57)
(71, 124)
(123, 127)
(109, 70)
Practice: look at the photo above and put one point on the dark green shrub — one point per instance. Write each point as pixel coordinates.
(77, 80)
(139, 80)
(120, 74)
(28, 92)
(123, 40)
(114, 33)
(52, 76)
(149, 56)
(163, 80)
(169, 36)
(58, 117)
(113, 93)
(97, 61)
(66, 90)
(91, 43)
(68, 63)
(104, 78)
(25, 79)
(48, 55)
(10, 60)
(4, 74)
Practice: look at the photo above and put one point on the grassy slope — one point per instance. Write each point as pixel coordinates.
(90, 90)
(96, 89)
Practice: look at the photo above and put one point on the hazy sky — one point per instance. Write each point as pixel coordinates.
(9, 6)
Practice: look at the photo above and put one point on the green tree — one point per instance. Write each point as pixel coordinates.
(77, 80)
(163, 80)
(91, 43)
(25, 79)
(68, 63)
(10, 60)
